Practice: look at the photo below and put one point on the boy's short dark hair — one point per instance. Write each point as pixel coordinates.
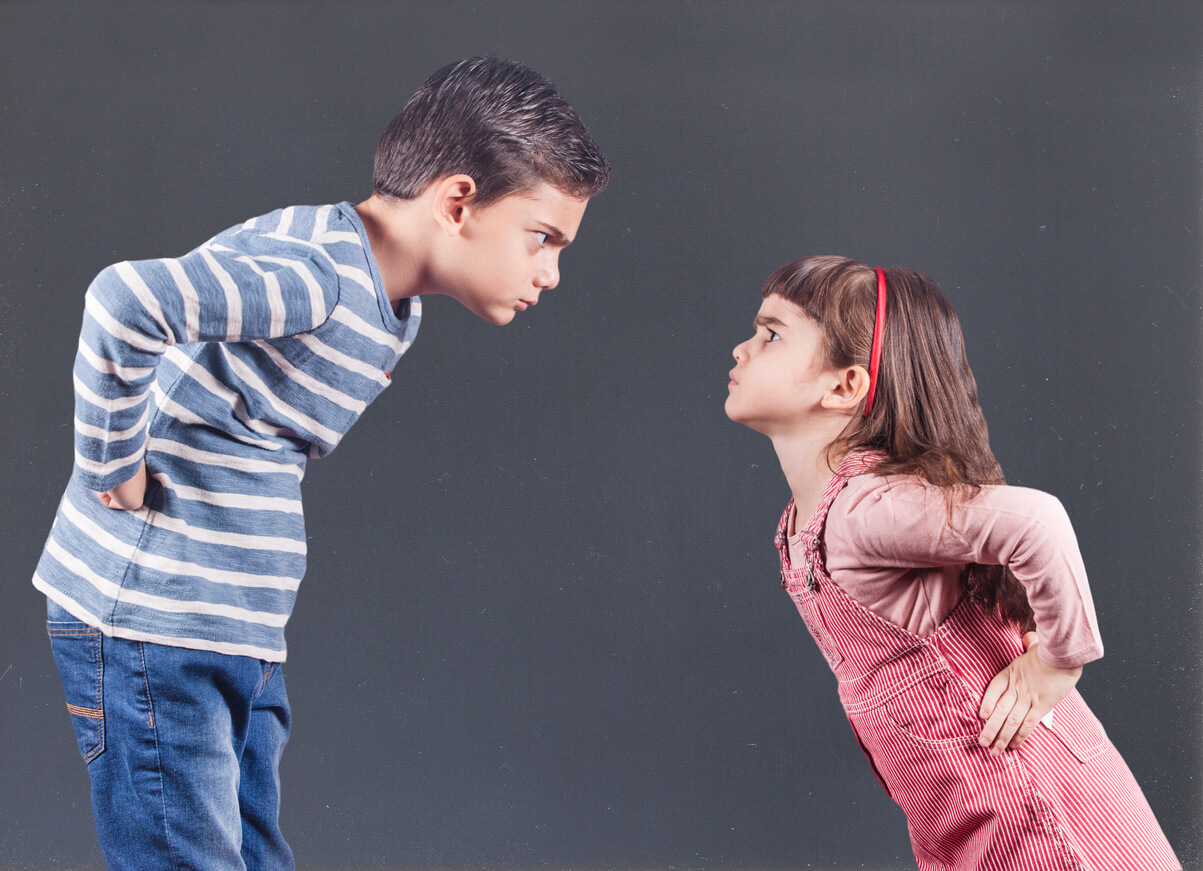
(499, 122)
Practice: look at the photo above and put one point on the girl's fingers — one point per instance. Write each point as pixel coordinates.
(1029, 723)
(1012, 724)
(1010, 727)
(994, 692)
(991, 731)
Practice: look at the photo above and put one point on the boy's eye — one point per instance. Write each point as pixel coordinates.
(542, 237)
(773, 336)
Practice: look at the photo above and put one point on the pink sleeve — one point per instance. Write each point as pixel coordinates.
(903, 522)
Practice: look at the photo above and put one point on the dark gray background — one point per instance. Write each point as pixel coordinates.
(541, 625)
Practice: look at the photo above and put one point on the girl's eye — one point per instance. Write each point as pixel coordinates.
(542, 237)
(773, 336)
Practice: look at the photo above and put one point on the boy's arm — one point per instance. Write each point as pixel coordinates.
(240, 286)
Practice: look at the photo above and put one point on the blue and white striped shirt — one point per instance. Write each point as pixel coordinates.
(227, 368)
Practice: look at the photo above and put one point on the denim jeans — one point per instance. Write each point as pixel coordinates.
(182, 747)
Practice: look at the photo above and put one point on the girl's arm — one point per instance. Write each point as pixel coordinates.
(903, 522)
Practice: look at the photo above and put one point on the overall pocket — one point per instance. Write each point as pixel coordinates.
(1076, 727)
(936, 711)
(78, 656)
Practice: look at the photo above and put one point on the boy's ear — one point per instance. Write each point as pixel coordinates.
(846, 389)
(451, 200)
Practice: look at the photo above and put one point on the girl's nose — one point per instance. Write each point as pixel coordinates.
(738, 353)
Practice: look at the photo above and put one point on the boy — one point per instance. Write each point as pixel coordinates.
(204, 383)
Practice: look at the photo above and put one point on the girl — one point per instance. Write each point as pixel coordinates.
(918, 571)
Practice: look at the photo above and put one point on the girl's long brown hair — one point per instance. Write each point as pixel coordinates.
(925, 416)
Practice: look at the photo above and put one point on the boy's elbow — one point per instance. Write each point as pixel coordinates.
(106, 285)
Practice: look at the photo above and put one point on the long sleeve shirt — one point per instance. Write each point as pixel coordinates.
(227, 369)
(891, 545)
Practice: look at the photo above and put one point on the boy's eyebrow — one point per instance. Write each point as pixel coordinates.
(556, 234)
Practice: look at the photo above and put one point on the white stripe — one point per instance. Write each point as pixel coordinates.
(160, 603)
(243, 540)
(229, 500)
(250, 223)
(120, 403)
(194, 454)
(118, 330)
(321, 221)
(275, 299)
(174, 410)
(285, 221)
(358, 276)
(265, 653)
(317, 301)
(95, 468)
(344, 315)
(95, 432)
(252, 379)
(167, 565)
(108, 367)
(230, 289)
(144, 295)
(338, 236)
(206, 379)
(191, 299)
(310, 383)
(340, 359)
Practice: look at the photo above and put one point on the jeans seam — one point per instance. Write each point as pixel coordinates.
(154, 732)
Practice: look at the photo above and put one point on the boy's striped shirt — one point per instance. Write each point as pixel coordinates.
(227, 369)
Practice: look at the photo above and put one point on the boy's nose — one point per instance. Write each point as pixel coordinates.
(736, 352)
(547, 277)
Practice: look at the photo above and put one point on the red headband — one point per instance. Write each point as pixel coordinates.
(879, 322)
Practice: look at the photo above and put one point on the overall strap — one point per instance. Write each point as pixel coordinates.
(852, 465)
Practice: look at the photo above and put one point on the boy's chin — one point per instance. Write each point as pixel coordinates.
(495, 315)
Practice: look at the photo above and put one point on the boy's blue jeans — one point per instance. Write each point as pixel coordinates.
(182, 747)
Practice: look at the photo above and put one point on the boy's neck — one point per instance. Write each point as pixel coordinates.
(396, 231)
(804, 460)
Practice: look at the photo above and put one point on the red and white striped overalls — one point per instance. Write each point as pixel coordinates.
(1063, 800)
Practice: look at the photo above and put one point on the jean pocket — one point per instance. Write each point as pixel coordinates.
(78, 656)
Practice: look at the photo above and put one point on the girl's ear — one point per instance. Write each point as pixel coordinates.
(451, 201)
(847, 389)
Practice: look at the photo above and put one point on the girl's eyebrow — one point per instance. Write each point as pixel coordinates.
(769, 322)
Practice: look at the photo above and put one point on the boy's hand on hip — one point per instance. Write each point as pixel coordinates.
(1020, 695)
(128, 495)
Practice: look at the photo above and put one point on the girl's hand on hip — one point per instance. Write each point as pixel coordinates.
(1020, 695)
(128, 495)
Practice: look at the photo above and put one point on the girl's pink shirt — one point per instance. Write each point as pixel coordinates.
(889, 544)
